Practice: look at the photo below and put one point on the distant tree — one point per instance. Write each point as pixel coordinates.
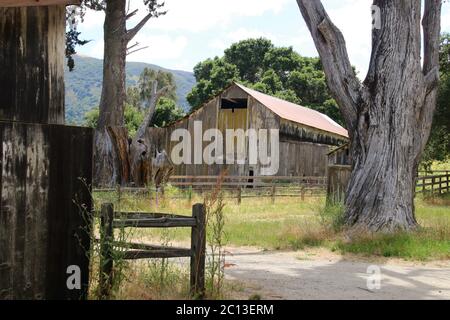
(248, 57)
(164, 79)
(277, 71)
(212, 76)
(133, 118)
(167, 111)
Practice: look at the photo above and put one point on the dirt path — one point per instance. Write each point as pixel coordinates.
(321, 274)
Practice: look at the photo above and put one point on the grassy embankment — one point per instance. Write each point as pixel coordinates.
(294, 224)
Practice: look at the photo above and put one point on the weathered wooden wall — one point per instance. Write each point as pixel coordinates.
(338, 178)
(46, 176)
(32, 64)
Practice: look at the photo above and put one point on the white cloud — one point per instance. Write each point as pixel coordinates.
(353, 18)
(161, 47)
(201, 15)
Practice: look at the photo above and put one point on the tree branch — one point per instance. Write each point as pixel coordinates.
(330, 44)
(431, 32)
(131, 14)
(156, 95)
(133, 32)
(432, 79)
(139, 49)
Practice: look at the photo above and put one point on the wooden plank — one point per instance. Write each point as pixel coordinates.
(27, 3)
(32, 84)
(42, 231)
(69, 207)
(146, 215)
(163, 253)
(164, 222)
(106, 250)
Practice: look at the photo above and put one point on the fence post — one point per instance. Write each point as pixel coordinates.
(302, 193)
(198, 248)
(448, 180)
(239, 195)
(273, 193)
(106, 250)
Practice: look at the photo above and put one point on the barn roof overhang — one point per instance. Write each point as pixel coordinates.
(35, 3)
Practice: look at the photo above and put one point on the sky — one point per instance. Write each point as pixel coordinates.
(195, 30)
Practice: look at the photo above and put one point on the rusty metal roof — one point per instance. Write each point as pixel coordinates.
(293, 112)
(27, 3)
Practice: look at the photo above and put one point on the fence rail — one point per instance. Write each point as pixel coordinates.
(241, 187)
(436, 183)
(110, 220)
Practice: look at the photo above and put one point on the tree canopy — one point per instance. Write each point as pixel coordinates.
(278, 71)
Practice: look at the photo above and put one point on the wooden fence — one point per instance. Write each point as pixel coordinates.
(438, 182)
(240, 187)
(111, 220)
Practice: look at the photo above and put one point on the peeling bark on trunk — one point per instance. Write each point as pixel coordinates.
(389, 115)
(140, 150)
(110, 165)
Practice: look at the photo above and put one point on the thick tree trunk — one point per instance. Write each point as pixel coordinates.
(111, 150)
(389, 115)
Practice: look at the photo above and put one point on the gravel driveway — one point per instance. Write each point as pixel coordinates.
(325, 275)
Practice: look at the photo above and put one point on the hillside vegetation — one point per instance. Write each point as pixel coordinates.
(83, 85)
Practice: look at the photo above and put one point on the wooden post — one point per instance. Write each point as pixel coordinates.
(198, 248)
(423, 186)
(239, 195)
(106, 250)
(273, 193)
(448, 180)
(302, 193)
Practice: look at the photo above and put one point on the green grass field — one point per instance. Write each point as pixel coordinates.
(293, 224)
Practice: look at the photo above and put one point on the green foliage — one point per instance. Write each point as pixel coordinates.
(133, 118)
(248, 57)
(332, 215)
(166, 112)
(165, 79)
(212, 76)
(278, 71)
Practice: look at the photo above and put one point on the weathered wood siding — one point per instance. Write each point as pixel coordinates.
(46, 176)
(32, 64)
(303, 150)
(303, 159)
(338, 178)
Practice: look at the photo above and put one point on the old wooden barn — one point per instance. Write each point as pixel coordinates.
(305, 135)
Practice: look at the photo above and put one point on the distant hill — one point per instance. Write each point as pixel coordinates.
(84, 85)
